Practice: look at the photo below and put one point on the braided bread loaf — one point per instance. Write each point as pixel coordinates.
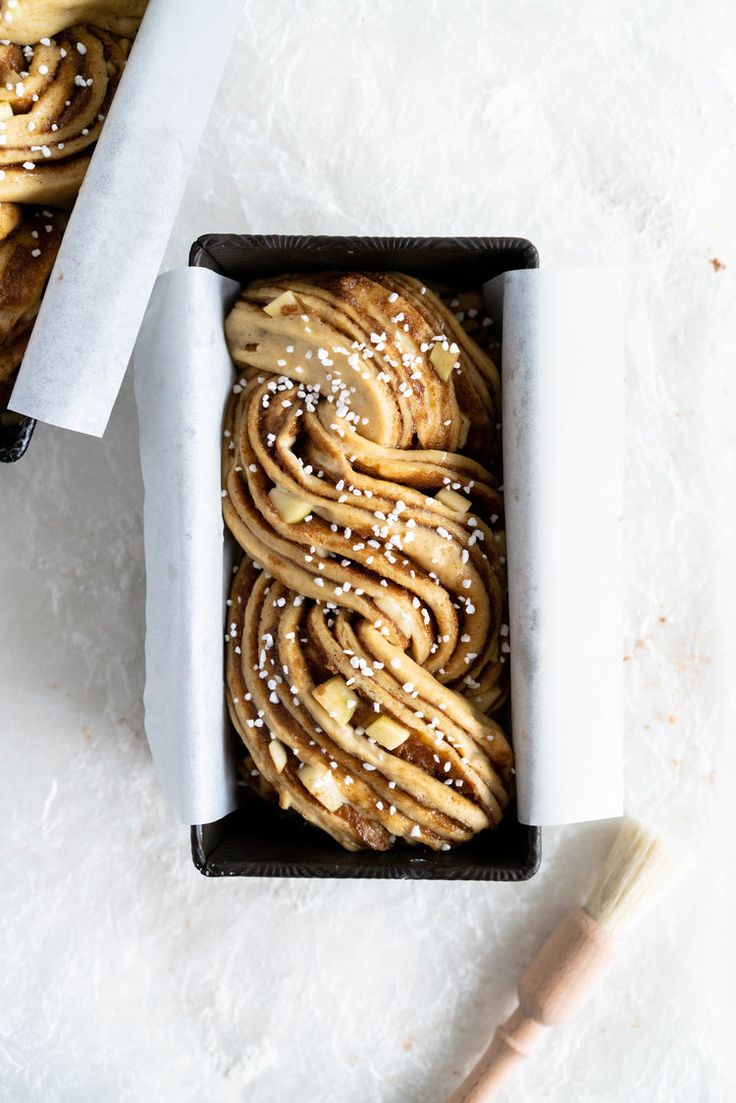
(31, 20)
(53, 100)
(366, 621)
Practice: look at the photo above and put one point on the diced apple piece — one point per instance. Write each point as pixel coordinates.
(282, 303)
(289, 508)
(337, 698)
(320, 781)
(399, 613)
(277, 750)
(443, 359)
(387, 732)
(454, 501)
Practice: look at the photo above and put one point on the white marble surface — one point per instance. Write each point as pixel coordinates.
(604, 132)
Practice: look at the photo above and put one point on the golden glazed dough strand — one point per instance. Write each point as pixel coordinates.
(24, 21)
(356, 393)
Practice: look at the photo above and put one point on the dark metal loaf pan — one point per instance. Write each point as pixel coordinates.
(15, 438)
(258, 840)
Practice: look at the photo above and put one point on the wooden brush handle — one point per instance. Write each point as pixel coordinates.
(553, 987)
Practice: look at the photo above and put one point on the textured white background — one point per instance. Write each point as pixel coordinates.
(604, 132)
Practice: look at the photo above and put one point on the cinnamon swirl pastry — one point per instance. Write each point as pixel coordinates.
(29, 240)
(31, 20)
(53, 100)
(366, 635)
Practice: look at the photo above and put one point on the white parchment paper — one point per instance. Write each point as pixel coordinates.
(183, 374)
(563, 425)
(117, 234)
(563, 433)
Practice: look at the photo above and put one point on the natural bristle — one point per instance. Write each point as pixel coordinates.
(636, 869)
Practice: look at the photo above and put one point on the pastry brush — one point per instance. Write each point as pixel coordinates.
(575, 957)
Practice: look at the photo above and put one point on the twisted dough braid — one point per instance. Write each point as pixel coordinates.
(374, 582)
(31, 20)
(29, 241)
(53, 101)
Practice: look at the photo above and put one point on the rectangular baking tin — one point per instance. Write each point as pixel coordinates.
(258, 840)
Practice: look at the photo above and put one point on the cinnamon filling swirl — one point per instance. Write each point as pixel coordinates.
(54, 97)
(30, 20)
(366, 638)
